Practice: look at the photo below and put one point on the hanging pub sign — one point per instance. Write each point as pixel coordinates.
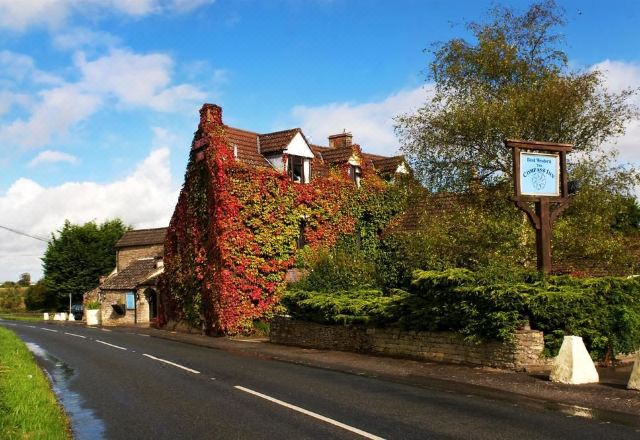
(539, 174)
(541, 188)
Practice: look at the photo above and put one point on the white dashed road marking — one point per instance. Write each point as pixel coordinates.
(310, 413)
(49, 330)
(110, 345)
(77, 336)
(172, 363)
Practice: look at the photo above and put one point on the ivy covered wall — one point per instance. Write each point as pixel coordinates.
(234, 231)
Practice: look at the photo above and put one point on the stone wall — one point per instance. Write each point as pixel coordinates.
(523, 353)
(111, 318)
(125, 256)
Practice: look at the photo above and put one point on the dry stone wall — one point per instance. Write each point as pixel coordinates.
(524, 352)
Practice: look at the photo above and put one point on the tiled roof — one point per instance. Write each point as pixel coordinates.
(142, 237)
(251, 148)
(426, 206)
(132, 275)
(387, 164)
(245, 144)
(277, 141)
(337, 155)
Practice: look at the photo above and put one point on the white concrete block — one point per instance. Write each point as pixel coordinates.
(573, 365)
(46, 316)
(634, 380)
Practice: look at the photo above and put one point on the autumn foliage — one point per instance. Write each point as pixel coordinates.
(233, 234)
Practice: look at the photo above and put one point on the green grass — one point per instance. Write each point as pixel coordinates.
(22, 316)
(28, 407)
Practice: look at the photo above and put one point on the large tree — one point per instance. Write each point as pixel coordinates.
(78, 255)
(511, 80)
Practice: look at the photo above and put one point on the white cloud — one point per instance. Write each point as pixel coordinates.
(8, 100)
(50, 156)
(371, 123)
(57, 110)
(126, 78)
(18, 15)
(145, 198)
(619, 76)
(137, 80)
(79, 37)
(19, 68)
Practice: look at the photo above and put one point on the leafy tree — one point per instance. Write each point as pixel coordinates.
(511, 82)
(25, 280)
(11, 298)
(38, 297)
(78, 256)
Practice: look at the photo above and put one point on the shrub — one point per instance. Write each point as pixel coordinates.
(491, 305)
(366, 306)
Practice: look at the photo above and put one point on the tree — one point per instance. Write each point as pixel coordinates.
(25, 280)
(11, 298)
(78, 256)
(511, 82)
(38, 297)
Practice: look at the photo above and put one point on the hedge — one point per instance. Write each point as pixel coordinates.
(481, 306)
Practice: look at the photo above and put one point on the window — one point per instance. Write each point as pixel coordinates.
(301, 241)
(296, 169)
(355, 172)
(131, 300)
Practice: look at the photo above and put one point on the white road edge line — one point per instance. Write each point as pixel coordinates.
(311, 414)
(110, 345)
(77, 336)
(171, 363)
(48, 330)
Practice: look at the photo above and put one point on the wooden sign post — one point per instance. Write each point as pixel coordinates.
(540, 178)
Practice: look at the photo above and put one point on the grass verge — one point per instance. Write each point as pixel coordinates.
(28, 407)
(21, 316)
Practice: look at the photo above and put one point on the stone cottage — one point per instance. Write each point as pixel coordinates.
(129, 294)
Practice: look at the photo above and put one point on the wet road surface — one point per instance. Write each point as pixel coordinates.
(124, 385)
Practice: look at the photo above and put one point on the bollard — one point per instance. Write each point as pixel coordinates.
(573, 365)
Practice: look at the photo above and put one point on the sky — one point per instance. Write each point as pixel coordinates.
(99, 99)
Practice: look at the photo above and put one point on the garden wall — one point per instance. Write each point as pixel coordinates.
(525, 352)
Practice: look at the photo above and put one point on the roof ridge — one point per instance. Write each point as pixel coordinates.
(241, 129)
(281, 131)
(147, 229)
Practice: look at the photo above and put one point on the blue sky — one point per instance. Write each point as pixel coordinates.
(99, 98)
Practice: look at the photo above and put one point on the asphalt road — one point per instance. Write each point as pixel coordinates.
(123, 385)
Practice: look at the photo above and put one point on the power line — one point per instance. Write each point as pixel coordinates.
(15, 231)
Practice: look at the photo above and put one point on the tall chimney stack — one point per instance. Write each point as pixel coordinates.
(340, 140)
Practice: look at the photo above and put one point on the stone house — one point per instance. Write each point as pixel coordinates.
(129, 294)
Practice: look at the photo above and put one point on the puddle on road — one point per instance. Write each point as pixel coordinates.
(84, 423)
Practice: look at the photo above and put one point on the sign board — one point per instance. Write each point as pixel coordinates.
(539, 174)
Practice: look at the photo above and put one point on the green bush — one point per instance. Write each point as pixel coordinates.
(367, 306)
(345, 267)
(491, 305)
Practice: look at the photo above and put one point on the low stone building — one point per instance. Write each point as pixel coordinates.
(129, 295)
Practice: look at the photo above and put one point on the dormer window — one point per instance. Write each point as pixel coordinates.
(296, 169)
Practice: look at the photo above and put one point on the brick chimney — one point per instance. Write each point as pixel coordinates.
(340, 140)
(210, 120)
